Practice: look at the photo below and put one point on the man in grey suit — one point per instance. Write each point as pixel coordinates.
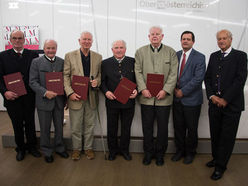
(188, 98)
(50, 106)
(155, 58)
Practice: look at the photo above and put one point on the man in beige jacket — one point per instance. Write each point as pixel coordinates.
(82, 62)
(155, 58)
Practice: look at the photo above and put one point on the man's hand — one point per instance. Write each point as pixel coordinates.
(134, 94)
(74, 97)
(161, 95)
(93, 83)
(178, 93)
(9, 95)
(222, 103)
(50, 94)
(146, 93)
(215, 99)
(110, 95)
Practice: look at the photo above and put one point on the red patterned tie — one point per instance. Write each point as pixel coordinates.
(182, 65)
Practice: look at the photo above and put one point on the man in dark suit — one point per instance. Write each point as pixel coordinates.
(19, 108)
(113, 69)
(188, 98)
(50, 106)
(225, 79)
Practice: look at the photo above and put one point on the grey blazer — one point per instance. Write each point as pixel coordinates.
(37, 82)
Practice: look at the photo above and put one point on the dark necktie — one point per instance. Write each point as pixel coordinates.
(19, 54)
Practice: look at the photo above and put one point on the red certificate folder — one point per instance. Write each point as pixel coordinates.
(14, 83)
(80, 85)
(55, 82)
(154, 83)
(124, 90)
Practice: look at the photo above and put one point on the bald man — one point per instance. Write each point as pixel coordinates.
(50, 106)
(20, 108)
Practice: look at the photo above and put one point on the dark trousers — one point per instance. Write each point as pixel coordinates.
(223, 129)
(148, 115)
(185, 120)
(21, 113)
(126, 117)
(45, 119)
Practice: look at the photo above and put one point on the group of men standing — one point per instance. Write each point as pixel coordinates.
(183, 71)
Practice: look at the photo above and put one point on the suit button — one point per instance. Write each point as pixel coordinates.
(217, 75)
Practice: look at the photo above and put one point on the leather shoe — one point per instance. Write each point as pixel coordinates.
(49, 159)
(20, 155)
(177, 156)
(63, 154)
(126, 156)
(147, 159)
(35, 153)
(159, 161)
(111, 156)
(188, 159)
(210, 163)
(216, 175)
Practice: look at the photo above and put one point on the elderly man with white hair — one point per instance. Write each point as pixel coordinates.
(113, 70)
(50, 105)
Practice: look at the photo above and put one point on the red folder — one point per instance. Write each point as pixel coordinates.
(55, 82)
(14, 83)
(124, 90)
(154, 83)
(80, 85)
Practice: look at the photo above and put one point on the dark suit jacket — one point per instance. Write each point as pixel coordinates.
(37, 82)
(10, 62)
(233, 72)
(191, 78)
(111, 78)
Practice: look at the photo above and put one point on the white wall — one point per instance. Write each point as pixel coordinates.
(130, 20)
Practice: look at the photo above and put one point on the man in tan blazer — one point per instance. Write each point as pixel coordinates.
(82, 62)
(155, 58)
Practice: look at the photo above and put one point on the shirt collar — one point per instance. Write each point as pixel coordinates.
(188, 52)
(120, 60)
(227, 51)
(18, 51)
(159, 48)
(53, 59)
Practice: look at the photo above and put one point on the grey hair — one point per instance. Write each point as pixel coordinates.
(16, 31)
(229, 34)
(156, 27)
(47, 40)
(118, 41)
(86, 32)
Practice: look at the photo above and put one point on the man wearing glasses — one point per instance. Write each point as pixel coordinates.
(20, 108)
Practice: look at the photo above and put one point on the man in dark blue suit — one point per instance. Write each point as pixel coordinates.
(225, 80)
(188, 98)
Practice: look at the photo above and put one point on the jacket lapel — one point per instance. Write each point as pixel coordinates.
(78, 61)
(189, 61)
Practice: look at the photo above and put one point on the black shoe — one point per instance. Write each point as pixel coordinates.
(20, 155)
(159, 161)
(35, 153)
(63, 154)
(211, 163)
(147, 159)
(111, 156)
(177, 156)
(188, 159)
(126, 156)
(216, 175)
(49, 159)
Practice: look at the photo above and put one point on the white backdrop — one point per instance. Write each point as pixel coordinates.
(108, 20)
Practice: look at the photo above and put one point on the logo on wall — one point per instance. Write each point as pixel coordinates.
(31, 35)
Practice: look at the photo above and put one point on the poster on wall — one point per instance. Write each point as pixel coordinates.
(31, 34)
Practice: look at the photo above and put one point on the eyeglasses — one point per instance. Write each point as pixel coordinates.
(15, 38)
